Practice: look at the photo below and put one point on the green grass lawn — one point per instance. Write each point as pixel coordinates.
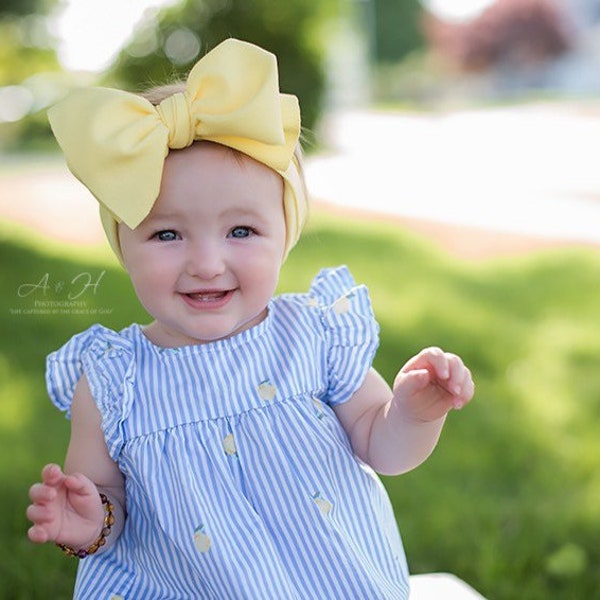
(509, 501)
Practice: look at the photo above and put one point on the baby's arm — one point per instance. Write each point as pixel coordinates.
(395, 431)
(66, 506)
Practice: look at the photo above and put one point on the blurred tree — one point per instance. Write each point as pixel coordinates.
(28, 63)
(26, 45)
(397, 27)
(24, 7)
(520, 33)
(26, 48)
(167, 47)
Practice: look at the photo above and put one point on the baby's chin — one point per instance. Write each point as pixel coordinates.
(173, 336)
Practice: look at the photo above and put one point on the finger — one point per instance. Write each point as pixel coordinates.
(468, 387)
(38, 514)
(52, 475)
(411, 382)
(37, 534)
(41, 493)
(433, 359)
(79, 484)
(458, 375)
(467, 391)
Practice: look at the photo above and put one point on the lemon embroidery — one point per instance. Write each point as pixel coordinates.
(312, 302)
(201, 540)
(116, 597)
(324, 505)
(318, 408)
(266, 390)
(342, 305)
(229, 445)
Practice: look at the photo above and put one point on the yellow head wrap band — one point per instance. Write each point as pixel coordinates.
(116, 142)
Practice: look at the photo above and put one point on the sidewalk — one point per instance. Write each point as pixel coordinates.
(525, 171)
(44, 195)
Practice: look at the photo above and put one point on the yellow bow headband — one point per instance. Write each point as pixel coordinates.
(116, 142)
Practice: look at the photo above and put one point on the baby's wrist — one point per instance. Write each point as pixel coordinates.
(408, 417)
(100, 540)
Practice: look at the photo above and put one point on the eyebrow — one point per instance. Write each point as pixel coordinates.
(243, 211)
(158, 216)
(238, 211)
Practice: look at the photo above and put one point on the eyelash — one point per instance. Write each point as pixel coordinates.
(173, 235)
(158, 235)
(249, 231)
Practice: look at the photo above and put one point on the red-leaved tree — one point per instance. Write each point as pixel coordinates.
(518, 32)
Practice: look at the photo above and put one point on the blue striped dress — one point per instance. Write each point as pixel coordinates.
(240, 481)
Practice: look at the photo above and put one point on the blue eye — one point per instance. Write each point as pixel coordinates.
(168, 235)
(240, 232)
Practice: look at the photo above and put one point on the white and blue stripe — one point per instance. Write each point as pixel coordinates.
(284, 510)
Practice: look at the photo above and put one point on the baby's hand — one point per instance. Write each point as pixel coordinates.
(432, 383)
(65, 508)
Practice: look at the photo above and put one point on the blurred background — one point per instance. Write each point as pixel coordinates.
(452, 151)
(497, 98)
(334, 53)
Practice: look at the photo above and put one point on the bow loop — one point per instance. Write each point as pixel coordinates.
(175, 113)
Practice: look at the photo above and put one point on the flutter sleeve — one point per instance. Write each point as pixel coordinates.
(351, 331)
(106, 358)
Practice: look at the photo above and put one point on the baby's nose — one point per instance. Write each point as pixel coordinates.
(205, 260)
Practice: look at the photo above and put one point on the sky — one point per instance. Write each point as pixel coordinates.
(457, 10)
(91, 32)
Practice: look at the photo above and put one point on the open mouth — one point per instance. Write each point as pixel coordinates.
(207, 296)
(212, 299)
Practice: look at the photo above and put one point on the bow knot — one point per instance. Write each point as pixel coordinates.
(175, 113)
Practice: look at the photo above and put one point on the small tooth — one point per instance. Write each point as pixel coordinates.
(206, 297)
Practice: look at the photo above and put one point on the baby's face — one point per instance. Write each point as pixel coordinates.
(206, 260)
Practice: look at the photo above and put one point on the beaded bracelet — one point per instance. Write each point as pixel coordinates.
(109, 521)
